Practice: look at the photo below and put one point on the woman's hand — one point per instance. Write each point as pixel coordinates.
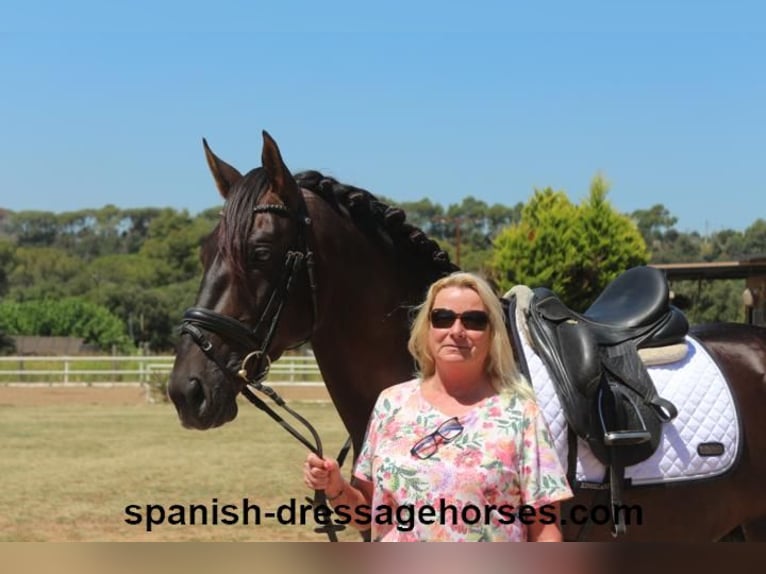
(323, 474)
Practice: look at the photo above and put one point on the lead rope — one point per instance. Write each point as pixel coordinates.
(293, 260)
(320, 497)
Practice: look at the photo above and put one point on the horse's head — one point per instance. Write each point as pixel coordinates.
(256, 297)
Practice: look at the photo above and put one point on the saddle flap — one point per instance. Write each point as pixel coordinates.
(567, 340)
(570, 354)
(549, 306)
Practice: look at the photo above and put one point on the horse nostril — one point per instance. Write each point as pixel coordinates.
(194, 395)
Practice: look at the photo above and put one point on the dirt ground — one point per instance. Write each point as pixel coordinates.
(41, 396)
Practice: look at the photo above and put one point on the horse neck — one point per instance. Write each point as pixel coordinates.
(360, 339)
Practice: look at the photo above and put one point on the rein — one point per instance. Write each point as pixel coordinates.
(198, 319)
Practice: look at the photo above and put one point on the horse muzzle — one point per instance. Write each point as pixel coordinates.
(201, 406)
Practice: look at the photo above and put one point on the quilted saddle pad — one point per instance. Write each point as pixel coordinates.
(701, 442)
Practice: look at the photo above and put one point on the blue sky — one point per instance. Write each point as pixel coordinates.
(106, 102)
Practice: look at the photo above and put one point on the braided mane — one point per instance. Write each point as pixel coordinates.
(376, 218)
(421, 258)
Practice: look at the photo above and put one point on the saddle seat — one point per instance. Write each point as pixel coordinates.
(634, 307)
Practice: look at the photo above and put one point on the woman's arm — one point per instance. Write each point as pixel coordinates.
(539, 532)
(350, 498)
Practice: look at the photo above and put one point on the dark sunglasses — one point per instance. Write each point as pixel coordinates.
(471, 320)
(427, 446)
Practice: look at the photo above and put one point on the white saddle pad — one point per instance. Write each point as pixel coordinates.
(706, 415)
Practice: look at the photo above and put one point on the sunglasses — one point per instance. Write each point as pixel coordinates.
(471, 320)
(427, 446)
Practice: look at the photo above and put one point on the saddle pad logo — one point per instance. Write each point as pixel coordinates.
(710, 449)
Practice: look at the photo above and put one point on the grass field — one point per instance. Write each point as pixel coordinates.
(72, 463)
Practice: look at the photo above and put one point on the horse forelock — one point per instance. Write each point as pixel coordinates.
(237, 220)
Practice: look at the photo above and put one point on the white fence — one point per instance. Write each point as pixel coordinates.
(290, 370)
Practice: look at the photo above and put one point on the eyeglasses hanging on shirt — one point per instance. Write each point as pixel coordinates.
(427, 446)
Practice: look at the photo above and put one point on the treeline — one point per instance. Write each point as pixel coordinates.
(577, 249)
(139, 267)
(132, 272)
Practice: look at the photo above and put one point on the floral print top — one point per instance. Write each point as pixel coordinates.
(472, 487)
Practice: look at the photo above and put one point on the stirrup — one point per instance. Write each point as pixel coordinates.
(624, 437)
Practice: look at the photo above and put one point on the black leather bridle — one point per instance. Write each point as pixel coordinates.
(198, 320)
(261, 336)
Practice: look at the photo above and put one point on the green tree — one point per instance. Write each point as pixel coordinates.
(93, 233)
(710, 301)
(653, 223)
(606, 244)
(125, 285)
(33, 228)
(90, 233)
(725, 245)
(665, 243)
(146, 313)
(173, 243)
(573, 250)
(7, 263)
(680, 247)
(42, 272)
(68, 317)
(535, 250)
(465, 230)
(86, 233)
(131, 271)
(474, 225)
(426, 215)
(135, 227)
(754, 240)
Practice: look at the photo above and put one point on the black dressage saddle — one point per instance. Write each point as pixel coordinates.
(605, 391)
(636, 307)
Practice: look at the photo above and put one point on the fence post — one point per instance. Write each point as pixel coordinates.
(66, 370)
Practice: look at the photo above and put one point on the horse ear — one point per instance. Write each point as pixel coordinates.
(280, 177)
(225, 176)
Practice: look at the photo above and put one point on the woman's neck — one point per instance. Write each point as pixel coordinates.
(466, 387)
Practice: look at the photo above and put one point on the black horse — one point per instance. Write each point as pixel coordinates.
(305, 258)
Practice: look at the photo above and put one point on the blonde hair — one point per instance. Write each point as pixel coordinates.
(501, 367)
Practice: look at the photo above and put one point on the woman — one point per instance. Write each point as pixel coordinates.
(461, 452)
